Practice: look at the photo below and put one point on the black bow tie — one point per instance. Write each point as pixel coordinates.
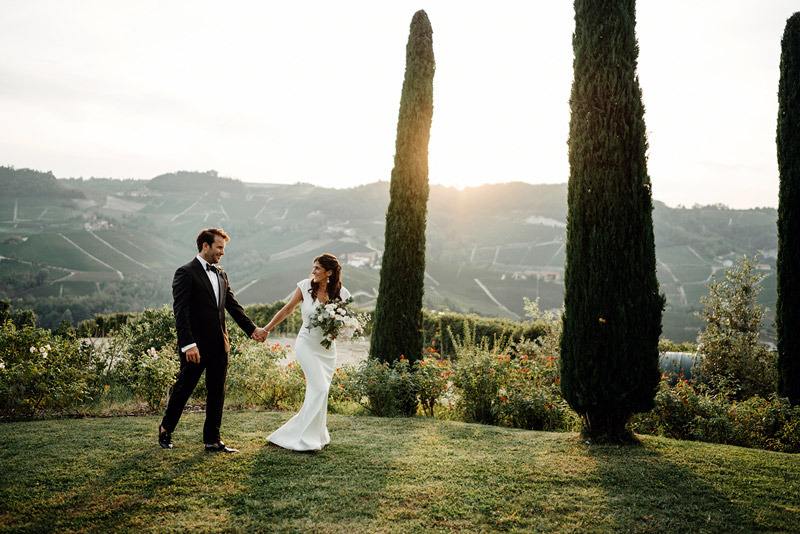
(210, 267)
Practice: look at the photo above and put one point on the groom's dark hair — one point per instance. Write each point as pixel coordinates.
(208, 236)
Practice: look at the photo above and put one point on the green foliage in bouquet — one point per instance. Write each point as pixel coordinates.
(612, 317)
(337, 320)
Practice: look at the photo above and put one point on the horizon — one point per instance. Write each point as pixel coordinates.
(445, 186)
(275, 93)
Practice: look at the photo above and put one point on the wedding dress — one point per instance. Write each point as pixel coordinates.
(308, 430)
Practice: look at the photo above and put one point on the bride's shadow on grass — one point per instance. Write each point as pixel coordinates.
(342, 482)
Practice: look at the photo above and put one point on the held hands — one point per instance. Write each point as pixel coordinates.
(193, 355)
(260, 334)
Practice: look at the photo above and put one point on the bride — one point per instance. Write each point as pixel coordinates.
(307, 430)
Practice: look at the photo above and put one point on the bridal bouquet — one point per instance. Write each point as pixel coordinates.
(337, 321)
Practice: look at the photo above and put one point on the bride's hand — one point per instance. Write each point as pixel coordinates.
(259, 334)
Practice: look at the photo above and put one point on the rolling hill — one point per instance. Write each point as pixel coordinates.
(114, 245)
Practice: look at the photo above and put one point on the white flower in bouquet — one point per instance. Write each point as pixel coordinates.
(337, 321)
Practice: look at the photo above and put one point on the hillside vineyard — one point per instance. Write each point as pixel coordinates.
(104, 246)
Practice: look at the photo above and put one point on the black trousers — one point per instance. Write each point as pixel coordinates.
(216, 369)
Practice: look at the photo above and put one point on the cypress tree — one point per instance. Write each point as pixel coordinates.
(612, 316)
(787, 316)
(397, 326)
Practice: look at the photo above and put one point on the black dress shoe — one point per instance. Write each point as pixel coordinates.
(219, 447)
(164, 438)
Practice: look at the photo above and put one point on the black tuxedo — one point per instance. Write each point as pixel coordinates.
(200, 319)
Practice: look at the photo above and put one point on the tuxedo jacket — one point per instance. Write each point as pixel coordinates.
(199, 318)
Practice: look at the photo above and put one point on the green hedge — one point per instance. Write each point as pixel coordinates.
(437, 327)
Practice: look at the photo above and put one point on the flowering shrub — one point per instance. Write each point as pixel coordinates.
(342, 386)
(684, 412)
(256, 377)
(381, 388)
(149, 375)
(431, 376)
(42, 373)
(532, 396)
(479, 379)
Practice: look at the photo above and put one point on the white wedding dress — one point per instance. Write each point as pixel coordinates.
(307, 430)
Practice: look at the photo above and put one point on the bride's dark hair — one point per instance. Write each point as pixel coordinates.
(329, 262)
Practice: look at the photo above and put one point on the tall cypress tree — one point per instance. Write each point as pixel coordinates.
(787, 316)
(397, 327)
(612, 316)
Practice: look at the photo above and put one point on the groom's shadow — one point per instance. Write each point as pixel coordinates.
(122, 481)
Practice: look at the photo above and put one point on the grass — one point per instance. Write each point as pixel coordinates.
(381, 475)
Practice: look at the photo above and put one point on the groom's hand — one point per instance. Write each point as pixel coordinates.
(259, 334)
(193, 355)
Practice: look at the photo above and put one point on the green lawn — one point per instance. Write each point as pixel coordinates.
(381, 475)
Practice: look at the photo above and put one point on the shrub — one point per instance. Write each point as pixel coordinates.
(531, 396)
(261, 314)
(730, 342)
(150, 375)
(383, 388)
(684, 412)
(479, 375)
(431, 376)
(255, 377)
(42, 373)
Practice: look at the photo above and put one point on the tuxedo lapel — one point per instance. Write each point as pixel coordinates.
(221, 284)
(201, 274)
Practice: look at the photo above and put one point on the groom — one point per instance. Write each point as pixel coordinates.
(201, 294)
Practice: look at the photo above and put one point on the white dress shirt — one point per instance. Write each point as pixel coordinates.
(212, 277)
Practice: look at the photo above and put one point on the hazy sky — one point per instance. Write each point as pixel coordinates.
(277, 91)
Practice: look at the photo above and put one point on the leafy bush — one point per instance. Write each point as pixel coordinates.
(479, 376)
(261, 314)
(730, 343)
(684, 412)
(143, 356)
(149, 375)
(382, 388)
(42, 373)
(431, 376)
(255, 377)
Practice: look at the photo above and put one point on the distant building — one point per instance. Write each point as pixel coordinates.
(547, 276)
(93, 224)
(360, 259)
